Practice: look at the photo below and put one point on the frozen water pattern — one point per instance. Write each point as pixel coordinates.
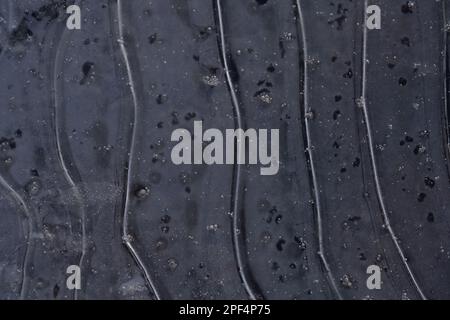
(85, 171)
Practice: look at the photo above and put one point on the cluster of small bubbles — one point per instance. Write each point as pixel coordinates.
(127, 238)
(312, 61)
(360, 102)
(212, 227)
(421, 149)
(301, 243)
(346, 281)
(33, 187)
(265, 97)
(408, 7)
(142, 192)
(380, 147)
(165, 218)
(266, 237)
(172, 263)
(211, 80)
(8, 160)
(309, 115)
(305, 267)
(287, 36)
